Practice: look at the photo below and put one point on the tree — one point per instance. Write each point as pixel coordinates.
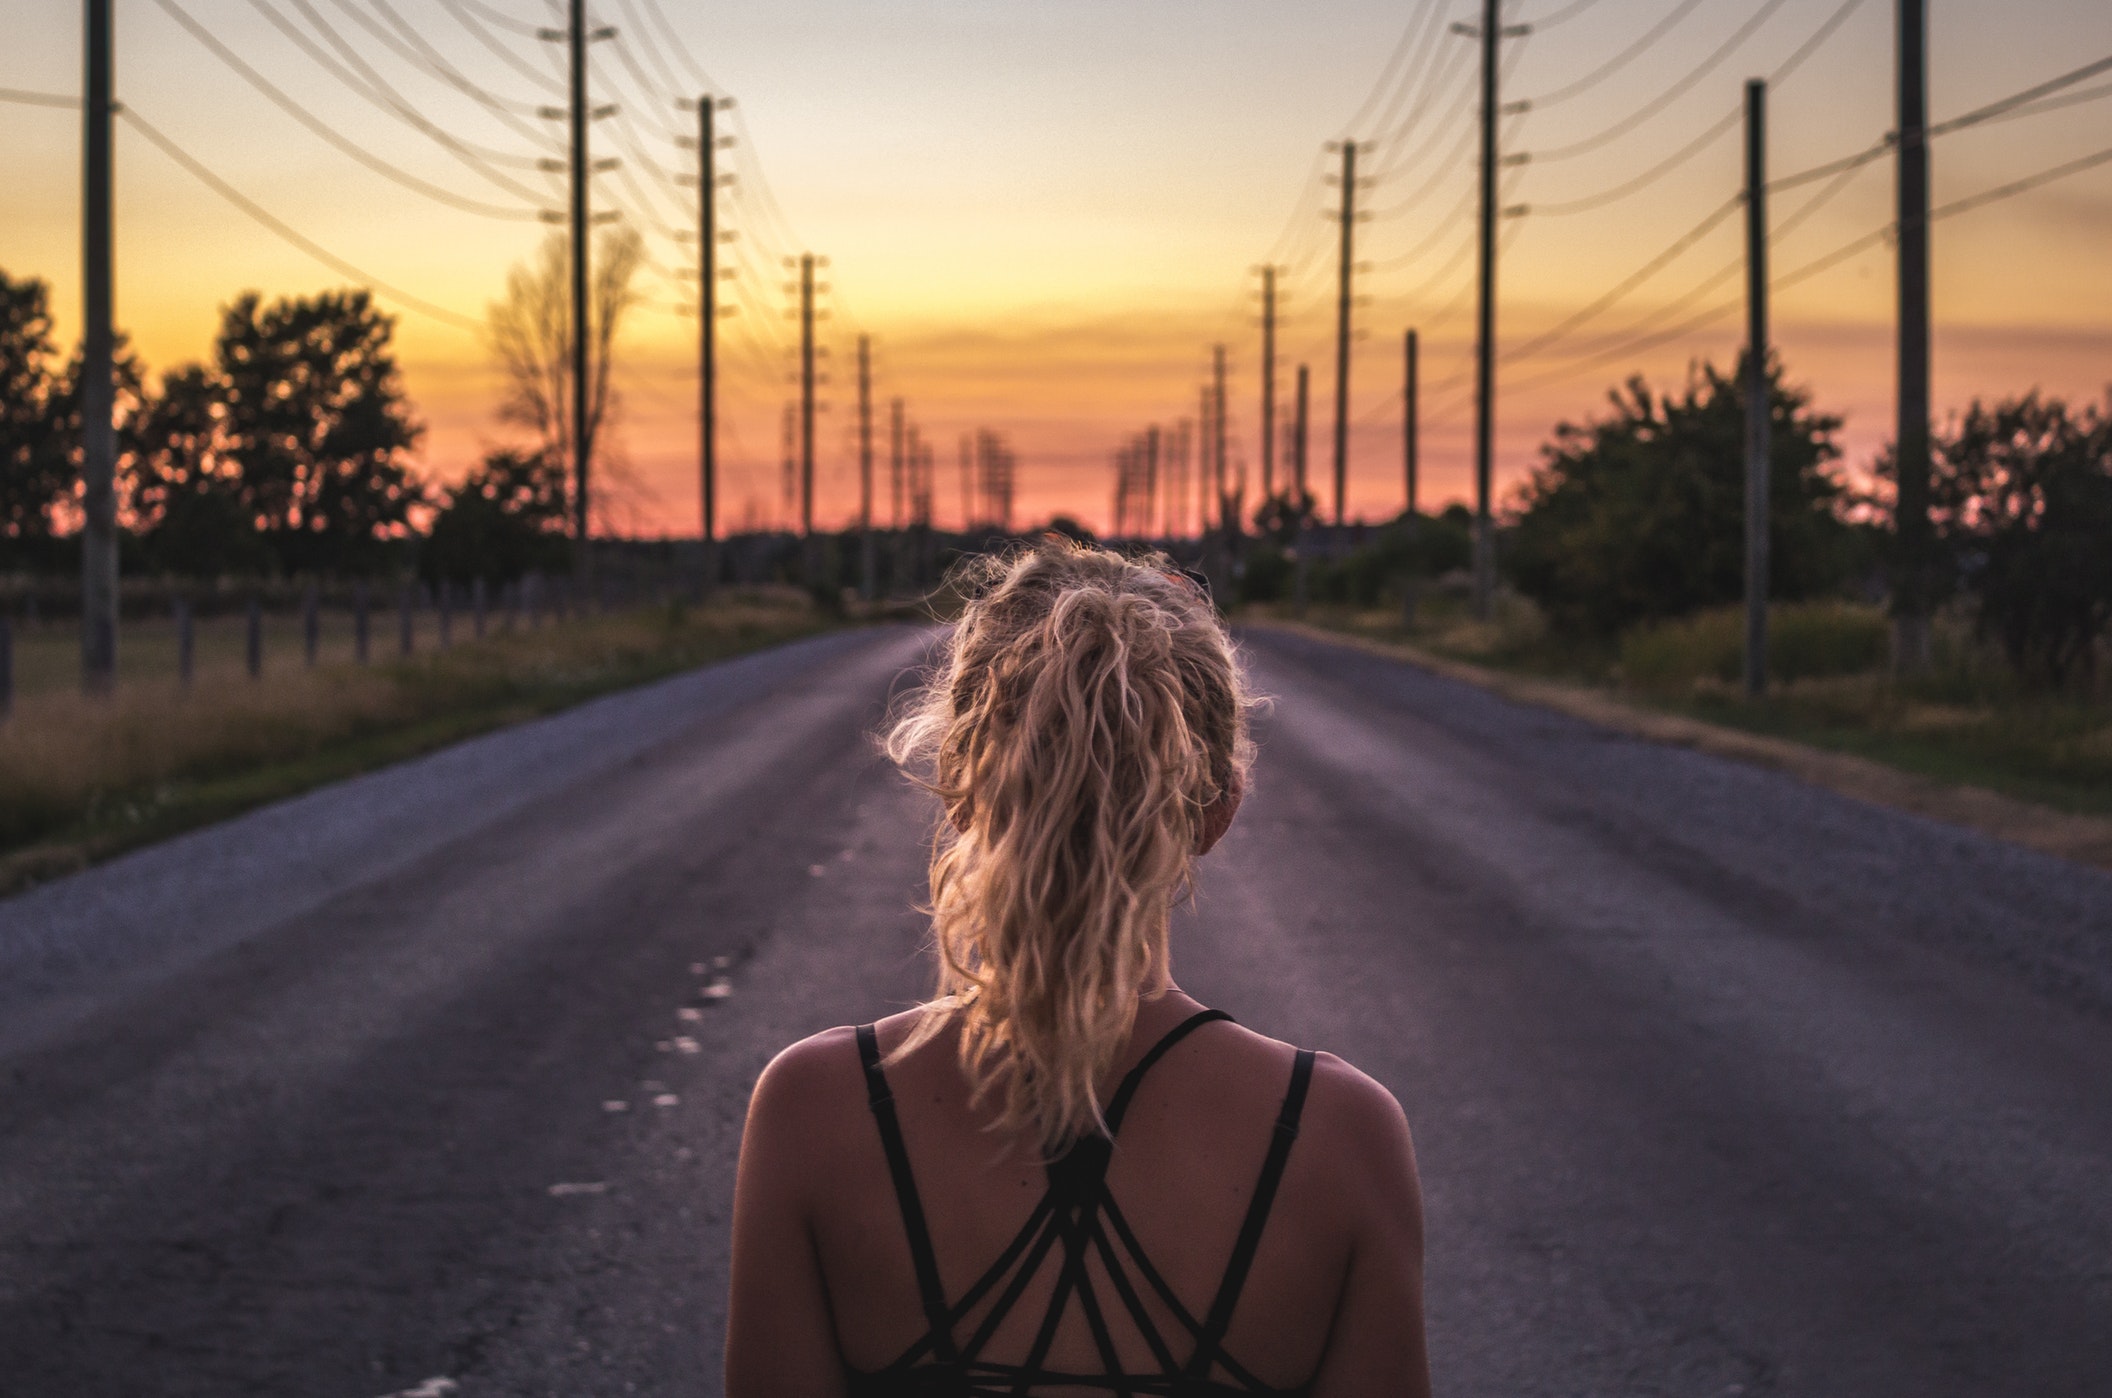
(317, 427)
(507, 518)
(531, 338)
(2021, 500)
(1640, 515)
(36, 469)
(187, 500)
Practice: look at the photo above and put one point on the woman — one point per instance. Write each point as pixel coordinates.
(1063, 1174)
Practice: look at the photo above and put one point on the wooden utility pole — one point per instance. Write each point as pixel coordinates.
(1345, 275)
(806, 394)
(1205, 469)
(1228, 511)
(1151, 480)
(582, 173)
(98, 381)
(1910, 585)
(1485, 321)
(1757, 406)
(868, 564)
(1410, 447)
(897, 441)
(708, 329)
(967, 481)
(1268, 382)
(1301, 436)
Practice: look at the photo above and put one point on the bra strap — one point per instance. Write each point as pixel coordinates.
(1118, 1107)
(881, 1099)
(1219, 1321)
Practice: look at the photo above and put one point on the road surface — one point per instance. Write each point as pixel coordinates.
(432, 1081)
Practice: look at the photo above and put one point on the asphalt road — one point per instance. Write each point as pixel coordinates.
(432, 1082)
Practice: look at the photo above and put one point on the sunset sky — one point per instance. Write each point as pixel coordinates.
(1046, 214)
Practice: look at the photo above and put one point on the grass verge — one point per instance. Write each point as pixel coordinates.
(82, 780)
(1962, 746)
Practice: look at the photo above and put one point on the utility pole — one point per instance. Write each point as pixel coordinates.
(98, 382)
(582, 172)
(806, 394)
(708, 331)
(867, 563)
(1205, 469)
(1410, 447)
(1268, 382)
(1151, 479)
(1910, 599)
(1485, 321)
(1757, 406)
(1228, 511)
(1301, 435)
(897, 440)
(967, 481)
(1343, 299)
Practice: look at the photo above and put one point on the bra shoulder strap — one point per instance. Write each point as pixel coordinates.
(881, 1099)
(1211, 1341)
(1118, 1106)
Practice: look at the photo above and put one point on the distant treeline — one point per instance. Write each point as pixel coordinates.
(1637, 517)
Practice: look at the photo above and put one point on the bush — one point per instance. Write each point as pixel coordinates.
(1640, 516)
(1813, 641)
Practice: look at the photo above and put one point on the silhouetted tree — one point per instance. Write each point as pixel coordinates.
(316, 427)
(187, 497)
(505, 519)
(1641, 515)
(35, 468)
(2021, 500)
(531, 338)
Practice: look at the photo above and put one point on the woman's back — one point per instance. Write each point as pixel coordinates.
(1220, 1213)
(1192, 1147)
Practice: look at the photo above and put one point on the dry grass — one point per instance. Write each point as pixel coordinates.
(81, 778)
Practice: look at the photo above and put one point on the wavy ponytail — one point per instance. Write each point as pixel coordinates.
(1085, 712)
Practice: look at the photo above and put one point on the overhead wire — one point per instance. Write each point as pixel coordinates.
(1620, 60)
(285, 231)
(544, 77)
(331, 135)
(369, 85)
(1664, 99)
(1709, 136)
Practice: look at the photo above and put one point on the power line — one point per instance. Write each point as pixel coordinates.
(283, 230)
(1386, 72)
(408, 44)
(494, 16)
(1620, 60)
(1633, 280)
(674, 39)
(1668, 96)
(1826, 262)
(1723, 126)
(331, 135)
(2030, 94)
(543, 78)
(39, 99)
(1566, 13)
(370, 85)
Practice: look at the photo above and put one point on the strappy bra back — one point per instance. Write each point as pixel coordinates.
(1076, 1219)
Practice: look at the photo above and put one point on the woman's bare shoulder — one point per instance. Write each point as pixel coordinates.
(1350, 1119)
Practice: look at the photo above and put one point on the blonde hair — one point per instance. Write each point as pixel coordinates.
(1084, 713)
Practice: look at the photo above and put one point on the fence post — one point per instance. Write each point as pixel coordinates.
(477, 602)
(359, 621)
(445, 595)
(405, 599)
(255, 647)
(311, 622)
(7, 669)
(186, 644)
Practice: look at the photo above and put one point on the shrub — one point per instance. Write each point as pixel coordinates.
(1811, 641)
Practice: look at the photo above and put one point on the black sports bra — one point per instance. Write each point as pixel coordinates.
(1077, 1217)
